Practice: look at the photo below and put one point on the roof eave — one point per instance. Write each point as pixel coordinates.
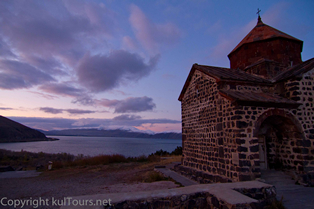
(188, 80)
(307, 66)
(268, 104)
(245, 82)
(236, 102)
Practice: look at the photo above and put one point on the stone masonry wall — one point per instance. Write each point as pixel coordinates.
(303, 91)
(220, 140)
(208, 135)
(295, 148)
(248, 54)
(248, 149)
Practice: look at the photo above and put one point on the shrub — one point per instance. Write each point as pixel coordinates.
(177, 151)
(98, 160)
(161, 153)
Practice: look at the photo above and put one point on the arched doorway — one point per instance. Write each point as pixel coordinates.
(280, 141)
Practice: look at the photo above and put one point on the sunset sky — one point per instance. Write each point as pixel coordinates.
(122, 64)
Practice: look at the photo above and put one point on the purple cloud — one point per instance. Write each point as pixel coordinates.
(49, 64)
(101, 73)
(49, 38)
(15, 75)
(51, 110)
(77, 111)
(62, 89)
(138, 104)
(54, 27)
(108, 102)
(129, 105)
(84, 99)
(5, 50)
(71, 111)
(6, 108)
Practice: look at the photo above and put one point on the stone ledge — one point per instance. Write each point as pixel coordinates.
(222, 195)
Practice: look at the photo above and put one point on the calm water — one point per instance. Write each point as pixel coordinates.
(96, 145)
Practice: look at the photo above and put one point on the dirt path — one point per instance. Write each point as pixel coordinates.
(115, 178)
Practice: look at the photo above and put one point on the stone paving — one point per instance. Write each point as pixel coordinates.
(165, 170)
(224, 195)
(19, 174)
(177, 177)
(294, 196)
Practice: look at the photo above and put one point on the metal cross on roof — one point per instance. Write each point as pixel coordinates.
(258, 11)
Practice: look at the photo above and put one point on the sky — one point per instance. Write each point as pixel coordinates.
(111, 64)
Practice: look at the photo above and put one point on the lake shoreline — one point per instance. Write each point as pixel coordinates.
(129, 147)
(29, 140)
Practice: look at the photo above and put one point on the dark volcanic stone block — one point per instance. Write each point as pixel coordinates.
(238, 117)
(242, 149)
(242, 156)
(254, 148)
(221, 152)
(241, 124)
(240, 141)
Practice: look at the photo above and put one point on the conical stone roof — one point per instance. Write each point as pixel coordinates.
(263, 32)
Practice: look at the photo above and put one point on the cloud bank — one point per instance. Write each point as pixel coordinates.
(64, 48)
(64, 123)
(58, 50)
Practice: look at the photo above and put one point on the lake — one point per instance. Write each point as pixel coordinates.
(129, 147)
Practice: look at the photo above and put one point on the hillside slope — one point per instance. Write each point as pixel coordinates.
(11, 131)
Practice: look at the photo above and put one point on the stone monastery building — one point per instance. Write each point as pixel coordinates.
(258, 114)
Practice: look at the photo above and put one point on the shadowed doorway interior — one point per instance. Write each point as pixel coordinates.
(280, 144)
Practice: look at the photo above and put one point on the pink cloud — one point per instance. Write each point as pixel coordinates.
(152, 36)
(129, 43)
(164, 127)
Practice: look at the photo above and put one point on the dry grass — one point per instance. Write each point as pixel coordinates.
(98, 160)
(161, 161)
(31, 161)
(87, 180)
(152, 176)
(128, 172)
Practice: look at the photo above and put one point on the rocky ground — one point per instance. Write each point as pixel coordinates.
(75, 181)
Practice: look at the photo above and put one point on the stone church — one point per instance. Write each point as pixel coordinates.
(256, 115)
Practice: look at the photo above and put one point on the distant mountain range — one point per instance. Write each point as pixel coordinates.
(11, 131)
(111, 133)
